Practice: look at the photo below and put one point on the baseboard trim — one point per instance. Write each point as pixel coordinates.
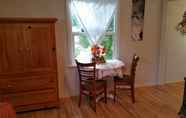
(174, 81)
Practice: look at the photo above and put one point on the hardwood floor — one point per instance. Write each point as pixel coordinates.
(151, 102)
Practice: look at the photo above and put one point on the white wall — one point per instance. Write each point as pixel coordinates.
(148, 49)
(33, 8)
(174, 48)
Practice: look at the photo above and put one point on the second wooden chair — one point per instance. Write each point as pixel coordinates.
(127, 80)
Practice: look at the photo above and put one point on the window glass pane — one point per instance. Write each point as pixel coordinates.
(82, 47)
(82, 44)
(76, 27)
(107, 42)
(111, 27)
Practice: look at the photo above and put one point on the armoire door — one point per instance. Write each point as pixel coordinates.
(39, 47)
(11, 49)
(28, 73)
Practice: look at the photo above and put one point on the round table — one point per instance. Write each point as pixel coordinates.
(110, 68)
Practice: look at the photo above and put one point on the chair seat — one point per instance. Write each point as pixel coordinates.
(99, 85)
(125, 80)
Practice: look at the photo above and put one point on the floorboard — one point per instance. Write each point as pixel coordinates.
(151, 102)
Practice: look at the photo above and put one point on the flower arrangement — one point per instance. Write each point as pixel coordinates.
(98, 53)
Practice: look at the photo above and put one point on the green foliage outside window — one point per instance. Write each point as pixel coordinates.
(107, 42)
(81, 44)
(77, 52)
(74, 21)
(84, 41)
(111, 27)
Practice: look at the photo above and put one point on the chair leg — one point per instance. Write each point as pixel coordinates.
(94, 101)
(80, 97)
(114, 91)
(105, 90)
(132, 93)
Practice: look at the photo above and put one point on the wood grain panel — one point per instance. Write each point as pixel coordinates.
(11, 48)
(27, 84)
(27, 20)
(39, 49)
(33, 97)
(28, 72)
(40, 106)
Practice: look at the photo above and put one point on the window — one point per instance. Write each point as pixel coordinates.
(82, 44)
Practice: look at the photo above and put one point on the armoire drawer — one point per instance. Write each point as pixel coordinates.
(31, 98)
(27, 84)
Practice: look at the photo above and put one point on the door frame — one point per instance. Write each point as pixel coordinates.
(162, 69)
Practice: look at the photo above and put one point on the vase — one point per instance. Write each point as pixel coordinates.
(98, 60)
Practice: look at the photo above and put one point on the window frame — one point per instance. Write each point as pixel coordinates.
(111, 33)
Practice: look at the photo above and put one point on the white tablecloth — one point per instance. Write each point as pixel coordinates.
(110, 68)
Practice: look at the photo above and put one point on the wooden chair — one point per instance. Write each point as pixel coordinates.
(127, 80)
(89, 85)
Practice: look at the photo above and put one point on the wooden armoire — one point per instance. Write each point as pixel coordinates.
(28, 72)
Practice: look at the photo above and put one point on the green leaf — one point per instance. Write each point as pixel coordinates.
(77, 52)
(84, 42)
(107, 42)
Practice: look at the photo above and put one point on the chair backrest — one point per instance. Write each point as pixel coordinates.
(134, 64)
(87, 71)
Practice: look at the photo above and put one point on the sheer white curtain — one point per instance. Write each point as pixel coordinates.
(94, 15)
